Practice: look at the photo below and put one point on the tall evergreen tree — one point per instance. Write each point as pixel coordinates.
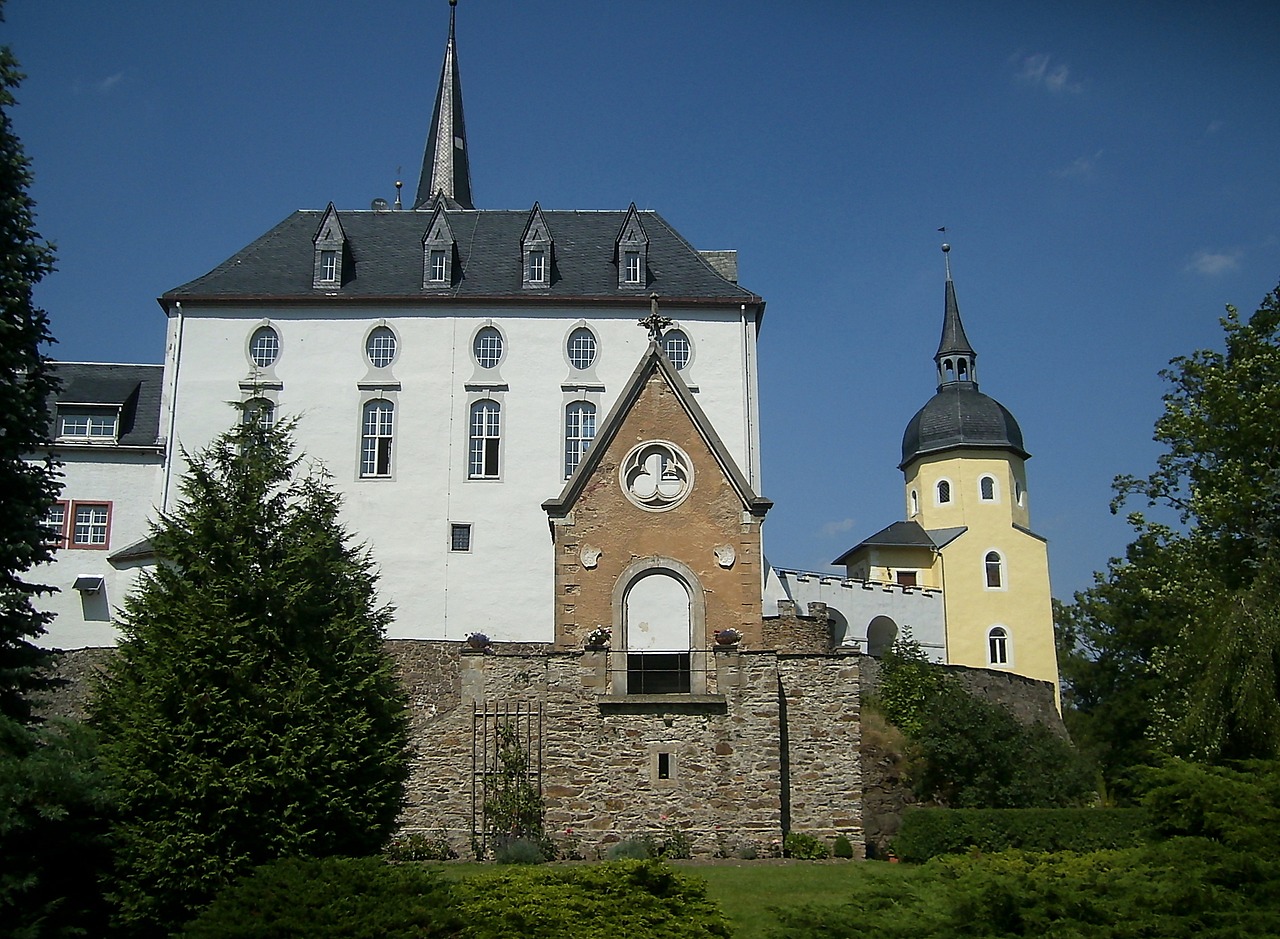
(251, 712)
(53, 805)
(27, 488)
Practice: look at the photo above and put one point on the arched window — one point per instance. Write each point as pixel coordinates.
(881, 634)
(264, 346)
(915, 503)
(260, 411)
(962, 369)
(658, 635)
(486, 437)
(944, 492)
(987, 488)
(375, 444)
(994, 565)
(1018, 491)
(579, 430)
(997, 646)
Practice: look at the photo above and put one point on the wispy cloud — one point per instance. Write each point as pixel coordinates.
(1082, 166)
(835, 528)
(1212, 263)
(108, 84)
(1040, 70)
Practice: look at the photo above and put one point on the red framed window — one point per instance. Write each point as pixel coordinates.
(55, 521)
(89, 525)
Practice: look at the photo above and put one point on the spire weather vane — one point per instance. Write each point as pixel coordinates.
(655, 322)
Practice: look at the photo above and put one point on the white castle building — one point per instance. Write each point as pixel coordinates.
(449, 365)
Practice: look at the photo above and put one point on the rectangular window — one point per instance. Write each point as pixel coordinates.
(375, 449)
(579, 430)
(658, 673)
(437, 266)
(95, 425)
(664, 765)
(537, 267)
(459, 536)
(55, 521)
(486, 436)
(329, 265)
(633, 267)
(906, 578)
(91, 524)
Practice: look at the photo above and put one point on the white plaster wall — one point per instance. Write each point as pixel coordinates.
(504, 586)
(861, 601)
(127, 481)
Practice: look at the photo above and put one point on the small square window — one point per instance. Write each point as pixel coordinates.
(459, 536)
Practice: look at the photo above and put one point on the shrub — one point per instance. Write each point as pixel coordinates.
(335, 898)
(630, 849)
(842, 847)
(637, 899)
(805, 847)
(419, 846)
(519, 851)
(928, 833)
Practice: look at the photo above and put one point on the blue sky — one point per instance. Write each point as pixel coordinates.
(1107, 174)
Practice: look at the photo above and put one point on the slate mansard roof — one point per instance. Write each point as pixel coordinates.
(386, 261)
(134, 389)
(959, 415)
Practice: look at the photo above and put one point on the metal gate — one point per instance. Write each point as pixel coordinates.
(497, 728)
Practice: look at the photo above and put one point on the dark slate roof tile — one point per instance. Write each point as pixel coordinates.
(386, 248)
(135, 389)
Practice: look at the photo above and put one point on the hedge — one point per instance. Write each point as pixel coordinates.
(931, 832)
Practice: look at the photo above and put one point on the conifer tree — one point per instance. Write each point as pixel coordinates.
(251, 712)
(27, 488)
(53, 804)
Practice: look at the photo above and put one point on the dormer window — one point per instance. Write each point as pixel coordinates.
(331, 251)
(437, 251)
(536, 249)
(93, 425)
(631, 251)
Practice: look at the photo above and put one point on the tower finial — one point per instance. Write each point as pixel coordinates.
(946, 257)
(445, 165)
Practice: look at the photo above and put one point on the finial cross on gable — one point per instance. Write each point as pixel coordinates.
(655, 322)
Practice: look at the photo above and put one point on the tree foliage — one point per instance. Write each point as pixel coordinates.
(970, 752)
(251, 711)
(27, 487)
(1176, 648)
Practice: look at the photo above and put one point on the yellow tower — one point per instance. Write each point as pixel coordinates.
(965, 476)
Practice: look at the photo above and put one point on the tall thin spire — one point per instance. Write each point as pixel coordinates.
(955, 358)
(445, 168)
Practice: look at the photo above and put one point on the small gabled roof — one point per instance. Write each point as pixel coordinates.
(439, 223)
(134, 389)
(537, 224)
(908, 534)
(654, 360)
(632, 222)
(325, 230)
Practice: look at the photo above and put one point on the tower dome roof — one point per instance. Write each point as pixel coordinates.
(960, 415)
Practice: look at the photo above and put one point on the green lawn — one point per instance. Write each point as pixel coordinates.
(746, 890)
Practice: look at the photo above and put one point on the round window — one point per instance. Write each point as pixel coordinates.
(488, 347)
(582, 348)
(381, 347)
(264, 346)
(656, 475)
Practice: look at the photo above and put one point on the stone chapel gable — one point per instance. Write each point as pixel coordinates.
(657, 494)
